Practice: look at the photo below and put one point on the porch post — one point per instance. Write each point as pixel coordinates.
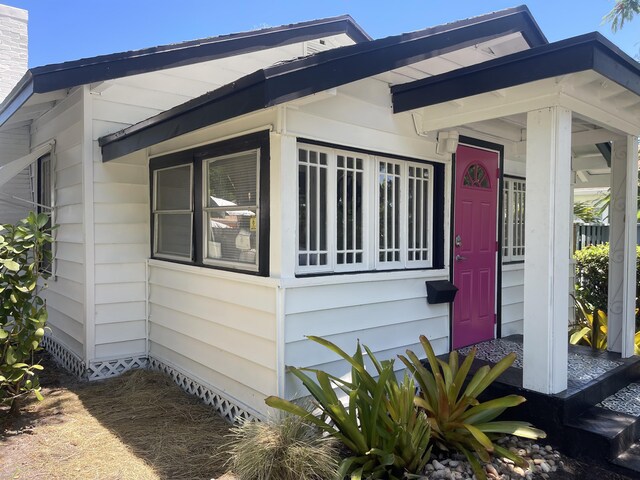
(622, 242)
(547, 230)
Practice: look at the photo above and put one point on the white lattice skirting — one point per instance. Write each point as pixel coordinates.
(225, 407)
(65, 357)
(113, 368)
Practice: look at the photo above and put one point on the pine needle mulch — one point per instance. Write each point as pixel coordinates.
(137, 426)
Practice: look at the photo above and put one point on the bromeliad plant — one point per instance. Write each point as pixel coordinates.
(591, 327)
(388, 437)
(458, 420)
(23, 312)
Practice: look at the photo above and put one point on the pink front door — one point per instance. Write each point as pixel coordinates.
(475, 245)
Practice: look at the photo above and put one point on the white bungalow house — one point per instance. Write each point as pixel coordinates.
(218, 200)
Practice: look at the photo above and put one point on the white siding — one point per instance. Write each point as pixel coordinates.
(15, 144)
(219, 328)
(65, 294)
(121, 230)
(386, 311)
(512, 299)
(386, 314)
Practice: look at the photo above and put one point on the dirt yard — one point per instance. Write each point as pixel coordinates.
(138, 426)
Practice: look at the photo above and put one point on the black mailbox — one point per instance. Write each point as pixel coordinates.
(440, 291)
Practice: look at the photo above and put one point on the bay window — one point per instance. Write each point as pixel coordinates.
(362, 211)
(210, 205)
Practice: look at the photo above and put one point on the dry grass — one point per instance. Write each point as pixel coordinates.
(138, 426)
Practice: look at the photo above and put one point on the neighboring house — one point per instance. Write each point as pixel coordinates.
(218, 200)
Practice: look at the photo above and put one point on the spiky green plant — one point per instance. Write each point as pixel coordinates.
(285, 448)
(458, 420)
(388, 437)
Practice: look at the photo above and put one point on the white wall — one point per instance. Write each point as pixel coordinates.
(14, 144)
(385, 311)
(218, 327)
(512, 299)
(65, 295)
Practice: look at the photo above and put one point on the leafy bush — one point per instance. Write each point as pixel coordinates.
(586, 331)
(458, 420)
(23, 312)
(288, 448)
(380, 425)
(592, 276)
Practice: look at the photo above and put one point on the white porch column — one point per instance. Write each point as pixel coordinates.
(547, 230)
(622, 241)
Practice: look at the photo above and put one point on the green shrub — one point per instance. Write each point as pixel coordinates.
(592, 276)
(458, 420)
(23, 312)
(388, 437)
(288, 448)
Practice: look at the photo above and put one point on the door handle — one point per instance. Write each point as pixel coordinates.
(460, 257)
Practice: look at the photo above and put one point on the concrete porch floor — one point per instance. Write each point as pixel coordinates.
(597, 417)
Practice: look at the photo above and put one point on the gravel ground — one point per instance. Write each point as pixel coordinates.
(543, 460)
(544, 463)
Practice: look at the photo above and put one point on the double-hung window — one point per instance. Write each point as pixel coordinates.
(363, 211)
(44, 202)
(231, 210)
(514, 194)
(173, 212)
(210, 205)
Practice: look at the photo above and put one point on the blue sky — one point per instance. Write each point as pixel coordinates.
(62, 30)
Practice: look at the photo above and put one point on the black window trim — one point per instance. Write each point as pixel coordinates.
(196, 157)
(437, 238)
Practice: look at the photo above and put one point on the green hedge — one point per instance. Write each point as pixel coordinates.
(592, 275)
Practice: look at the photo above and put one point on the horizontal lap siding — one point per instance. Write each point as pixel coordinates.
(65, 293)
(512, 300)
(387, 315)
(221, 330)
(121, 216)
(385, 312)
(15, 144)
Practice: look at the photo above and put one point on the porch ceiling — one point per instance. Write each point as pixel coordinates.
(586, 74)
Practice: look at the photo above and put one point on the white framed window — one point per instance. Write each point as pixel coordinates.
(173, 212)
(231, 210)
(514, 195)
(313, 228)
(361, 212)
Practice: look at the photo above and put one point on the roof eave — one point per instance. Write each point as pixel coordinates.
(293, 80)
(585, 52)
(65, 75)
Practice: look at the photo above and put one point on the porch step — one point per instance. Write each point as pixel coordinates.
(629, 459)
(601, 434)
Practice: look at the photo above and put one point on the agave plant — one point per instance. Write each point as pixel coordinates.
(388, 436)
(458, 420)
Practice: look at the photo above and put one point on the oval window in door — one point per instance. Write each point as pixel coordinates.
(476, 176)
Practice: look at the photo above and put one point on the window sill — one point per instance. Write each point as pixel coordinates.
(510, 266)
(243, 277)
(371, 276)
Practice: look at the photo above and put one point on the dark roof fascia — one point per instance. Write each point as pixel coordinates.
(591, 51)
(605, 150)
(59, 76)
(18, 96)
(302, 77)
